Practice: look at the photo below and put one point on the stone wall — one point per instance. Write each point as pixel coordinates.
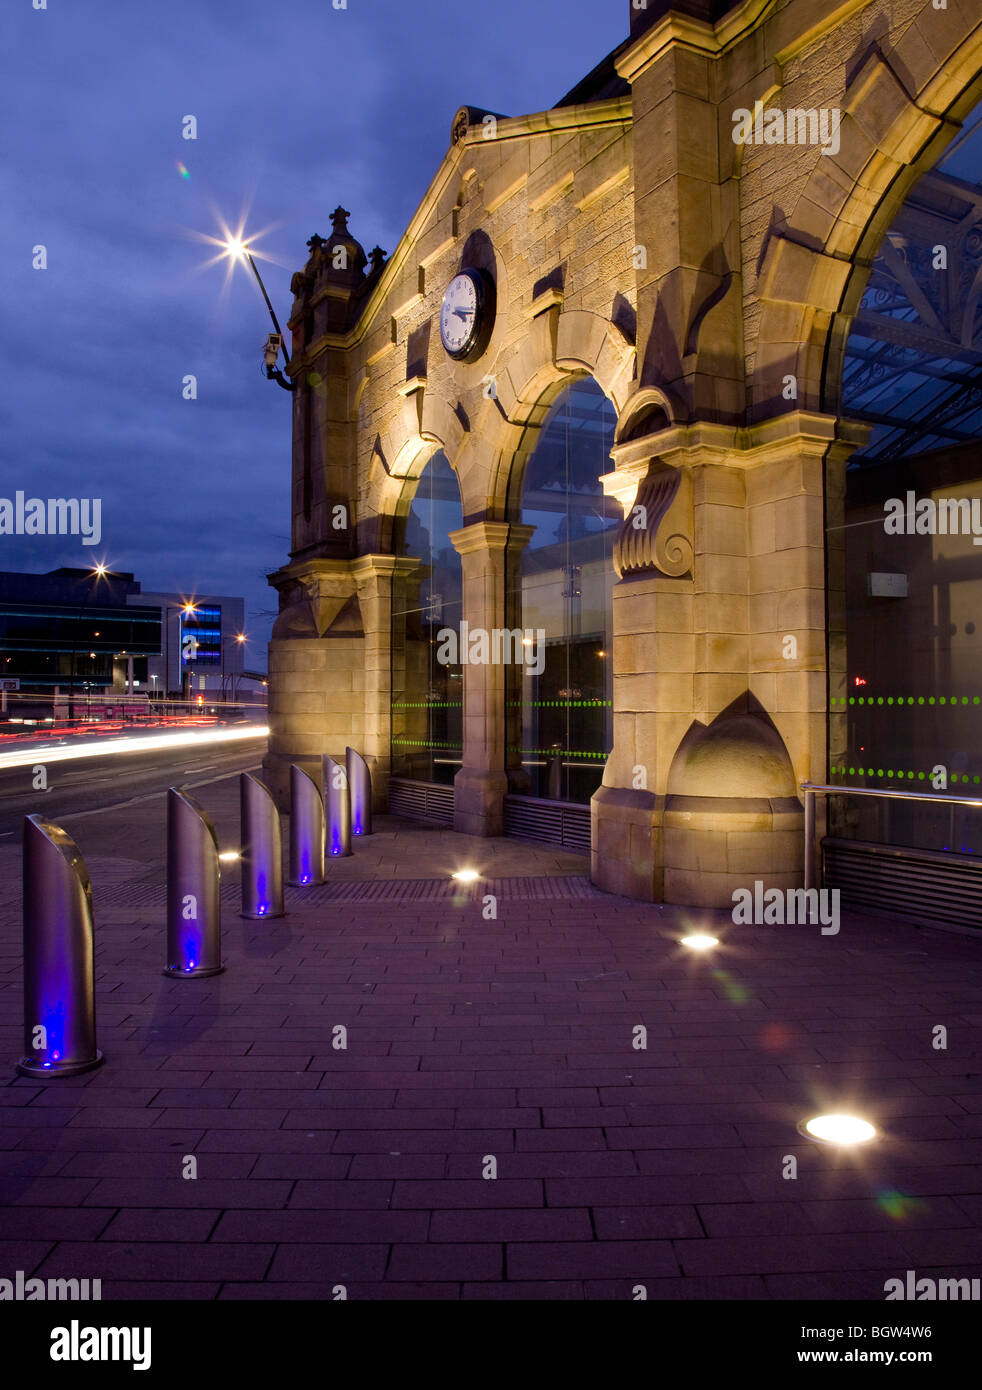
(708, 286)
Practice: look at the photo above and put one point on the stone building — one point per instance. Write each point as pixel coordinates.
(591, 406)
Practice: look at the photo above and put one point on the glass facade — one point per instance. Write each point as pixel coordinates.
(201, 637)
(560, 699)
(909, 716)
(427, 688)
(44, 646)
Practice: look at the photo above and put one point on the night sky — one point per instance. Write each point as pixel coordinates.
(299, 107)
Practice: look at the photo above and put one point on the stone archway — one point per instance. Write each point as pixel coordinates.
(903, 106)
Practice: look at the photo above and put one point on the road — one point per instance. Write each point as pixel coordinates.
(100, 783)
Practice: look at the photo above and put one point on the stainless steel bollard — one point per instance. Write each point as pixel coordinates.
(59, 955)
(194, 911)
(809, 839)
(338, 804)
(360, 792)
(307, 828)
(262, 850)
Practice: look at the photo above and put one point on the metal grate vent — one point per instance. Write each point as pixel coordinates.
(551, 822)
(919, 884)
(550, 888)
(420, 801)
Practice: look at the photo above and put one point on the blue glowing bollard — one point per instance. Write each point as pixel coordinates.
(194, 911)
(360, 792)
(262, 850)
(338, 804)
(307, 829)
(59, 955)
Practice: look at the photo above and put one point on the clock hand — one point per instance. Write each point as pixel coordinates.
(464, 313)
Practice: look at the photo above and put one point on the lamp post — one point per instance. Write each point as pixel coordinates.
(188, 609)
(241, 639)
(239, 250)
(99, 571)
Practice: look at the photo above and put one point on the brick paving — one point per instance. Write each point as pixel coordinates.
(473, 1043)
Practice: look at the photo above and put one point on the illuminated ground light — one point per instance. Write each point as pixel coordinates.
(700, 941)
(837, 1129)
(229, 856)
(466, 876)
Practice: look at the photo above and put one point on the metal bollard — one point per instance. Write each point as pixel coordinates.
(809, 839)
(307, 829)
(338, 805)
(262, 850)
(59, 955)
(194, 911)
(360, 791)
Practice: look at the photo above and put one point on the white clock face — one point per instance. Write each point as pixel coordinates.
(460, 315)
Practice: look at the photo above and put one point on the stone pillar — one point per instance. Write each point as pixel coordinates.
(720, 666)
(316, 670)
(377, 578)
(654, 662)
(488, 550)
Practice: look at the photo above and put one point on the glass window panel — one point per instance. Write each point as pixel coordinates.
(560, 721)
(427, 695)
(909, 717)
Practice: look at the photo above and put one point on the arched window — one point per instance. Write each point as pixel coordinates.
(560, 698)
(427, 695)
(909, 595)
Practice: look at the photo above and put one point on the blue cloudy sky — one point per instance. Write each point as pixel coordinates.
(299, 106)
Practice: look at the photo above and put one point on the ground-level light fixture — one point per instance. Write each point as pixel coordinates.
(700, 941)
(228, 856)
(466, 875)
(838, 1129)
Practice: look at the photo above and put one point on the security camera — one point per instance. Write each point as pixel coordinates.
(272, 349)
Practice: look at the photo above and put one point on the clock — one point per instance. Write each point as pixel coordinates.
(466, 314)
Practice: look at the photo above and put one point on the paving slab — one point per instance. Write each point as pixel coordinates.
(491, 1129)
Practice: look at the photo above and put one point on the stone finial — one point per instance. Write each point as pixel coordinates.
(339, 220)
(315, 243)
(376, 256)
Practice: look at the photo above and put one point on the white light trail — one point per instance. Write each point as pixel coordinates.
(154, 743)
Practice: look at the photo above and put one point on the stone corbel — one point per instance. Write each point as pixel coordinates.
(657, 532)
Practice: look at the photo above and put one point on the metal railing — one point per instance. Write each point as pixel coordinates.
(813, 789)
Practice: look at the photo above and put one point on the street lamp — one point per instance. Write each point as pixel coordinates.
(242, 639)
(238, 250)
(188, 609)
(99, 571)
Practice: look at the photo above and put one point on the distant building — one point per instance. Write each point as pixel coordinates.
(77, 631)
(199, 651)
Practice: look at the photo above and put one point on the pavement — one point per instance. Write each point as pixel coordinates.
(495, 1126)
